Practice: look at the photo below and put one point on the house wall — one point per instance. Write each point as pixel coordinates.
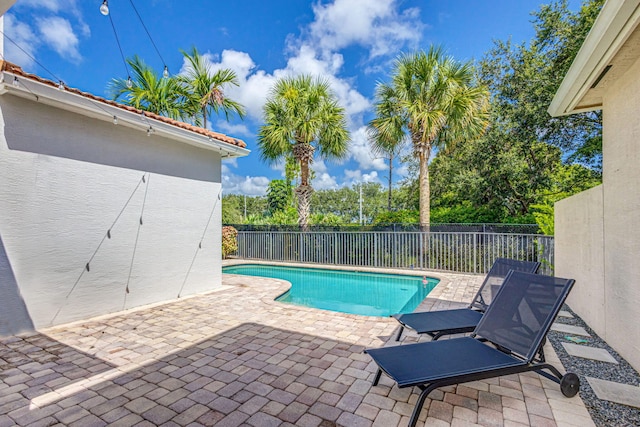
(579, 253)
(621, 175)
(65, 180)
(611, 311)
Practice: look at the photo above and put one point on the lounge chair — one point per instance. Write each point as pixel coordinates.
(463, 320)
(508, 340)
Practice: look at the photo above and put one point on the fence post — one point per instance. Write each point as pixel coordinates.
(421, 250)
(475, 252)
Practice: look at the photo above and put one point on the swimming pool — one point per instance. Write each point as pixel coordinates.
(369, 294)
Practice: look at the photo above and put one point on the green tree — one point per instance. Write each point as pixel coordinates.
(206, 88)
(150, 92)
(344, 202)
(386, 144)
(524, 156)
(436, 100)
(234, 207)
(231, 210)
(302, 116)
(523, 80)
(397, 217)
(279, 195)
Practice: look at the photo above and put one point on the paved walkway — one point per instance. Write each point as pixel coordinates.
(235, 357)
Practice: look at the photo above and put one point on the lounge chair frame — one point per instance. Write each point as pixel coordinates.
(492, 357)
(463, 320)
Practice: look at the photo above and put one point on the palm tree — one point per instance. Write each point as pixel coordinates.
(150, 92)
(436, 101)
(207, 86)
(387, 145)
(302, 116)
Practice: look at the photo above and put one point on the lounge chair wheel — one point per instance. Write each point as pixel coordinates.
(570, 384)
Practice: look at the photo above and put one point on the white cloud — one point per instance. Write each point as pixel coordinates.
(24, 37)
(232, 129)
(402, 170)
(50, 5)
(68, 7)
(360, 151)
(319, 166)
(370, 177)
(58, 33)
(324, 181)
(254, 85)
(381, 27)
(249, 185)
(356, 176)
(232, 162)
(376, 25)
(306, 61)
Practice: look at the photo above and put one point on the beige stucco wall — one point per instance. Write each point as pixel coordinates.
(621, 177)
(579, 253)
(613, 311)
(65, 179)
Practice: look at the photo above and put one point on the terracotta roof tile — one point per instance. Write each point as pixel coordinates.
(12, 68)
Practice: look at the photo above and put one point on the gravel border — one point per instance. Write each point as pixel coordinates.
(602, 412)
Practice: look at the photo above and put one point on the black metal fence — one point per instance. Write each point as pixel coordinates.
(456, 251)
(477, 228)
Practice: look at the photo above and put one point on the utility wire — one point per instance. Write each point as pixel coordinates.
(30, 57)
(147, 31)
(115, 33)
(95, 103)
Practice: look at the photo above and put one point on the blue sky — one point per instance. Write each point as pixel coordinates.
(352, 43)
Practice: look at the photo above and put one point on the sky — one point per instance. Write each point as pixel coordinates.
(350, 43)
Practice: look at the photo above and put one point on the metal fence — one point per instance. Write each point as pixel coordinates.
(433, 227)
(464, 252)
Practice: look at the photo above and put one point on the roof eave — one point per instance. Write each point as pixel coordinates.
(614, 24)
(66, 100)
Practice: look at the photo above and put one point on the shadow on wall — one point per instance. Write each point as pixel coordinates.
(14, 316)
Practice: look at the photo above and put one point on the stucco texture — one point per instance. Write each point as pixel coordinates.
(65, 179)
(598, 232)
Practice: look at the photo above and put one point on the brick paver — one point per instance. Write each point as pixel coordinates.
(236, 357)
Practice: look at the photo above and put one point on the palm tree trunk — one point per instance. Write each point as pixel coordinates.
(424, 152)
(390, 181)
(303, 152)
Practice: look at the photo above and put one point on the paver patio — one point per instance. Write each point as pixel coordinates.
(235, 357)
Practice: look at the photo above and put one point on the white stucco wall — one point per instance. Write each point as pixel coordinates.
(579, 254)
(64, 180)
(607, 293)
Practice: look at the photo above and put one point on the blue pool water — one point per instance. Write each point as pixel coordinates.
(369, 294)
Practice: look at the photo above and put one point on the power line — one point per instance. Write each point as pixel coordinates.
(30, 57)
(124, 61)
(149, 35)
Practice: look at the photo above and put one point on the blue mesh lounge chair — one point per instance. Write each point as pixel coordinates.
(508, 340)
(463, 320)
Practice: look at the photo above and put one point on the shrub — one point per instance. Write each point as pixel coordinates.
(229, 240)
(397, 217)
